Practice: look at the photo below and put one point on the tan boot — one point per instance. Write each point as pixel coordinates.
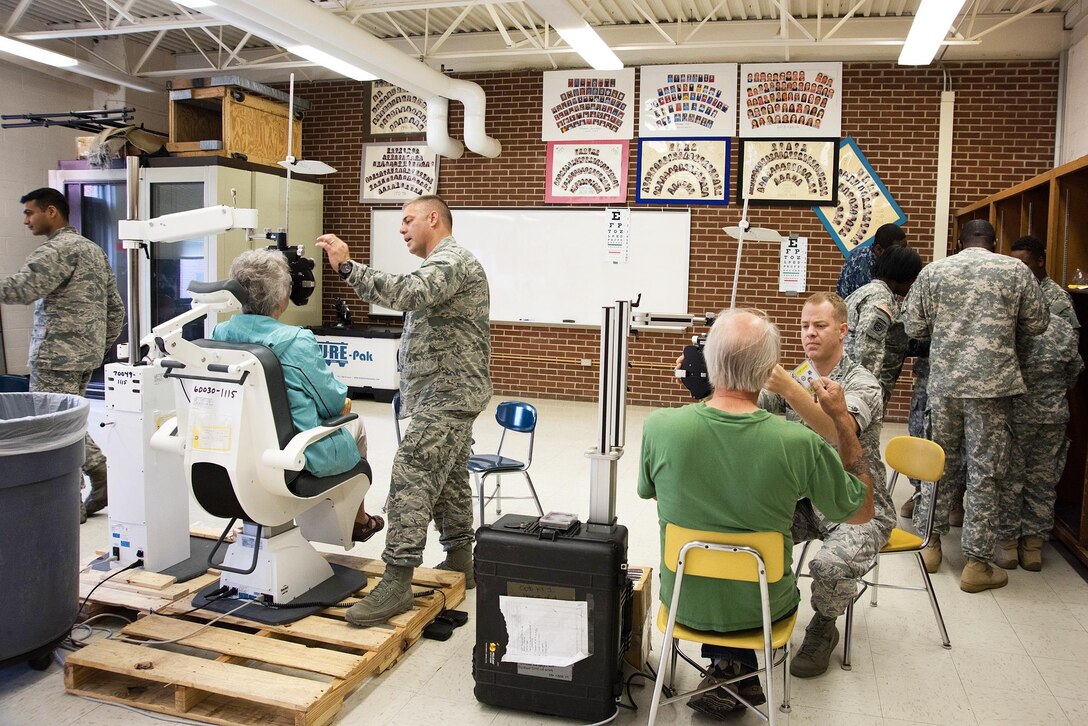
(1030, 553)
(955, 512)
(1005, 555)
(978, 576)
(907, 510)
(932, 555)
(97, 499)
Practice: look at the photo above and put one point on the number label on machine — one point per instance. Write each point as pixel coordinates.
(215, 409)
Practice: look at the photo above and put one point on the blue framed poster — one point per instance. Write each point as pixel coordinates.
(683, 171)
(864, 203)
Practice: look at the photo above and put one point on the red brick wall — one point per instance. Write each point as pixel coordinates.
(1005, 119)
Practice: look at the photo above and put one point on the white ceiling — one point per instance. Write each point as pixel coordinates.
(161, 39)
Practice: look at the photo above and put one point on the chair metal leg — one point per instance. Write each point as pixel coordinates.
(532, 489)
(497, 496)
(659, 682)
(672, 664)
(480, 494)
(785, 707)
(848, 636)
(876, 581)
(801, 560)
(768, 668)
(933, 601)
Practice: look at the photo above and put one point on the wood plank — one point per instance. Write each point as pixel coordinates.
(150, 580)
(421, 576)
(255, 647)
(222, 679)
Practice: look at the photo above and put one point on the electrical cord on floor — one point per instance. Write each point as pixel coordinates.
(610, 719)
(651, 677)
(82, 641)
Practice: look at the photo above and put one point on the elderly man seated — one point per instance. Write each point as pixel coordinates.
(312, 391)
(724, 464)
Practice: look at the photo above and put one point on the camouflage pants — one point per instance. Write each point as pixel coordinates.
(1027, 502)
(430, 481)
(849, 552)
(47, 380)
(976, 431)
(919, 402)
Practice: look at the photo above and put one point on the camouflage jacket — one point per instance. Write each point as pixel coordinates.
(445, 348)
(974, 306)
(875, 337)
(857, 271)
(1051, 363)
(1059, 301)
(78, 312)
(865, 402)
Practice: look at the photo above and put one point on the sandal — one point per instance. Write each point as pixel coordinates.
(361, 533)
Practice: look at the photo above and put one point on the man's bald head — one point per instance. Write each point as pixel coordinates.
(978, 233)
(741, 350)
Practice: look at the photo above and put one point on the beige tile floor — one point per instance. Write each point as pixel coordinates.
(1018, 654)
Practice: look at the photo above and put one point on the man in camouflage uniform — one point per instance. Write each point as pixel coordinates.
(1039, 419)
(857, 270)
(849, 550)
(875, 338)
(974, 375)
(1032, 252)
(445, 382)
(919, 403)
(78, 313)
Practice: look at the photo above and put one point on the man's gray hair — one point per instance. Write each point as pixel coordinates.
(741, 350)
(266, 277)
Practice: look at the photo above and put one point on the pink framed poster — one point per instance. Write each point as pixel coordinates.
(586, 172)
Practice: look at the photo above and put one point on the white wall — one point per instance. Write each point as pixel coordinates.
(29, 153)
(1075, 113)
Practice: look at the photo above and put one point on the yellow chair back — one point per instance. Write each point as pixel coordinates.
(726, 565)
(915, 458)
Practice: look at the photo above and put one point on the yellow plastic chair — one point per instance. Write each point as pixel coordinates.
(919, 459)
(747, 557)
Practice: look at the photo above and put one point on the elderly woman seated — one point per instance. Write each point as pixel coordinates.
(312, 391)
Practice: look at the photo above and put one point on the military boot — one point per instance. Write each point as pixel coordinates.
(932, 554)
(978, 576)
(82, 512)
(907, 510)
(821, 637)
(459, 559)
(392, 596)
(1005, 554)
(955, 512)
(1030, 553)
(97, 499)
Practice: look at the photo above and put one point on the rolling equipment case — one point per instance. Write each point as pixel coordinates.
(517, 557)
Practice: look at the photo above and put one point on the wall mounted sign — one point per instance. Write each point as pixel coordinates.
(683, 171)
(688, 100)
(864, 203)
(788, 171)
(791, 99)
(588, 104)
(397, 172)
(395, 111)
(586, 172)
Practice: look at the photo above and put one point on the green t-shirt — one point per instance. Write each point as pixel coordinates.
(717, 471)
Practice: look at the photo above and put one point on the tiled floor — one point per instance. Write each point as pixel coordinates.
(1017, 654)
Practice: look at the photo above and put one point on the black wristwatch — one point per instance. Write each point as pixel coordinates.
(345, 269)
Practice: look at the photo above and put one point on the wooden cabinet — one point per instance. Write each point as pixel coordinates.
(1054, 207)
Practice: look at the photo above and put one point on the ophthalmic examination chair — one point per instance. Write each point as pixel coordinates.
(244, 461)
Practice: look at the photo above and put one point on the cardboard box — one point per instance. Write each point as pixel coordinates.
(642, 605)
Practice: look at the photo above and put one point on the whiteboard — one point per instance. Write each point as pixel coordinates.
(550, 265)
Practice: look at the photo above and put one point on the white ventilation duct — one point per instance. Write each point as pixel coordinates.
(301, 22)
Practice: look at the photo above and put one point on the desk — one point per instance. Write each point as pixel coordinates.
(363, 359)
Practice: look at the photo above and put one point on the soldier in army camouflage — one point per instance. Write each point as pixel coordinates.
(875, 337)
(849, 550)
(445, 382)
(1051, 364)
(78, 313)
(857, 271)
(973, 307)
(1032, 252)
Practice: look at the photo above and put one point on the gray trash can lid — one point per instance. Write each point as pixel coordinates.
(33, 422)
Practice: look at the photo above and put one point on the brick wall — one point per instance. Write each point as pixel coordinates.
(1005, 120)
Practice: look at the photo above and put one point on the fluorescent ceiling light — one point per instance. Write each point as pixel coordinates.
(930, 26)
(195, 4)
(34, 53)
(333, 64)
(591, 47)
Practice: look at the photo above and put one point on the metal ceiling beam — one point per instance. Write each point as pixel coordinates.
(88, 30)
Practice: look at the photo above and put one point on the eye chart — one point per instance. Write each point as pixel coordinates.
(793, 265)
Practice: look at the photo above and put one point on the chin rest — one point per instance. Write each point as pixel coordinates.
(244, 461)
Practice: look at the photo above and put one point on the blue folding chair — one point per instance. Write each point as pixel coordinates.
(519, 417)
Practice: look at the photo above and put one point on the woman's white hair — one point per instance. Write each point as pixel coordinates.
(266, 277)
(741, 350)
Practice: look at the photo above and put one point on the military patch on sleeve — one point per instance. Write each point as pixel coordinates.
(879, 323)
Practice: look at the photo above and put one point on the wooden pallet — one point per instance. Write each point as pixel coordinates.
(238, 672)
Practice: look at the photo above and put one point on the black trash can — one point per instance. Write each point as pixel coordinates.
(41, 460)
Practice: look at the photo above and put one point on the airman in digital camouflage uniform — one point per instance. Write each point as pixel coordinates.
(1032, 252)
(875, 338)
(1039, 419)
(857, 270)
(78, 313)
(445, 382)
(849, 550)
(973, 307)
